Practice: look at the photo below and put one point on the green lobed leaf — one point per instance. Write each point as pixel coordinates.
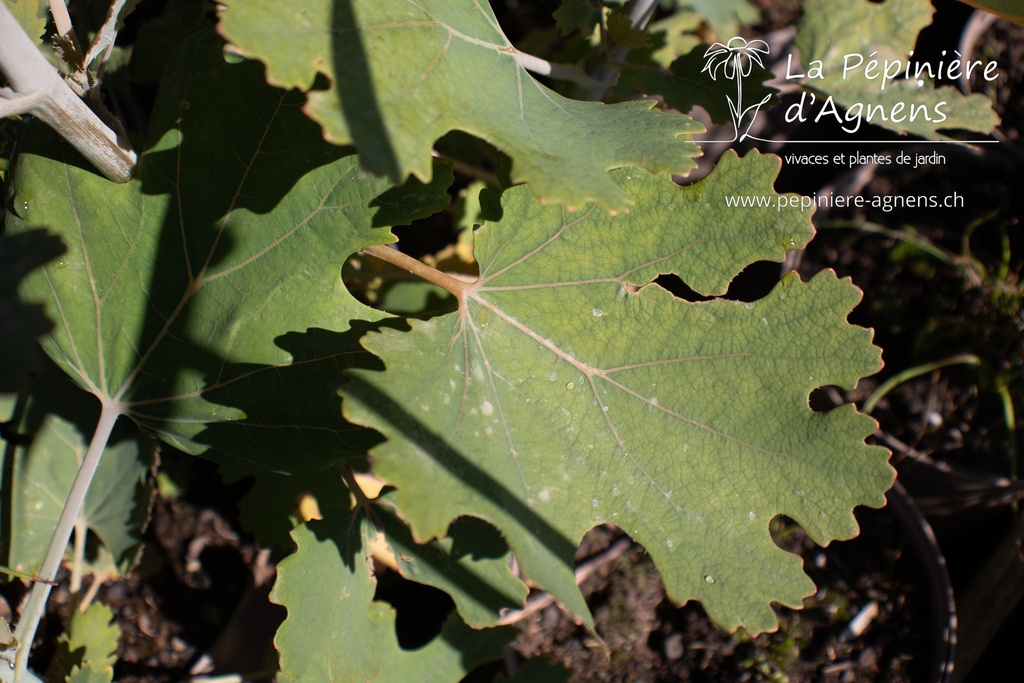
(568, 392)
(87, 651)
(336, 632)
(333, 629)
(204, 297)
(53, 430)
(404, 74)
(673, 36)
(31, 16)
(832, 31)
(96, 631)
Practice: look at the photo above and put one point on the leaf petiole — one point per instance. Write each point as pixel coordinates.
(22, 575)
(457, 287)
(34, 608)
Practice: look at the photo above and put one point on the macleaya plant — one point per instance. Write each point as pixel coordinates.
(203, 301)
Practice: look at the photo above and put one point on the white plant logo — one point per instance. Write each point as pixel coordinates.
(734, 60)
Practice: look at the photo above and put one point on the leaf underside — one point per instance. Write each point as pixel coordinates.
(402, 74)
(568, 392)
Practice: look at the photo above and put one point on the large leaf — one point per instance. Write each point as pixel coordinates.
(185, 294)
(336, 632)
(839, 32)
(402, 74)
(568, 392)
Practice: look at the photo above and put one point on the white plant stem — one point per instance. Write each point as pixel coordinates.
(565, 72)
(38, 85)
(29, 620)
(61, 19)
(18, 104)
